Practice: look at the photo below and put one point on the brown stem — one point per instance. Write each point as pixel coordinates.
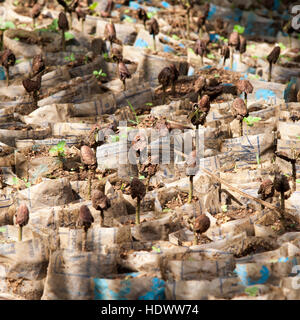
(241, 127)
(33, 23)
(270, 72)
(35, 99)
(282, 202)
(82, 26)
(191, 190)
(70, 20)
(101, 217)
(246, 100)
(137, 212)
(124, 85)
(7, 75)
(231, 58)
(154, 43)
(224, 61)
(195, 238)
(173, 88)
(63, 41)
(294, 175)
(89, 184)
(200, 33)
(84, 239)
(20, 233)
(201, 60)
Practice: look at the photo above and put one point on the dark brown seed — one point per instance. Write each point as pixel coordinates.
(100, 201)
(80, 13)
(239, 109)
(234, 40)
(123, 71)
(22, 216)
(87, 155)
(281, 183)
(153, 27)
(36, 10)
(137, 189)
(244, 86)
(116, 54)
(110, 32)
(168, 75)
(108, 9)
(266, 189)
(243, 45)
(274, 55)
(142, 14)
(85, 217)
(98, 46)
(63, 22)
(201, 224)
(8, 59)
(200, 47)
(204, 104)
(32, 85)
(225, 52)
(38, 64)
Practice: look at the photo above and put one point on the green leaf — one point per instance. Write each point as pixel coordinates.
(257, 158)
(142, 177)
(191, 50)
(167, 210)
(3, 229)
(69, 36)
(15, 180)
(150, 15)
(18, 61)
(61, 144)
(239, 29)
(53, 26)
(224, 208)
(297, 180)
(132, 109)
(95, 72)
(16, 39)
(282, 46)
(156, 249)
(253, 291)
(126, 11)
(149, 104)
(210, 56)
(251, 120)
(9, 25)
(175, 37)
(93, 6)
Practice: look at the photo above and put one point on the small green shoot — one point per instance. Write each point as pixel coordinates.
(122, 186)
(99, 73)
(69, 36)
(191, 50)
(175, 37)
(93, 6)
(282, 46)
(53, 26)
(239, 29)
(251, 120)
(70, 58)
(211, 56)
(6, 25)
(16, 39)
(156, 249)
(149, 104)
(105, 56)
(59, 150)
(253, 291)
(224, 208)
(142, 177)
(133, 111)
